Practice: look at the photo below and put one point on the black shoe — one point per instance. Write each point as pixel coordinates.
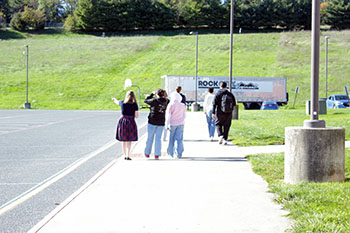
(127, 158)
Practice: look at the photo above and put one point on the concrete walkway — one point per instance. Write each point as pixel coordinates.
(212, 189)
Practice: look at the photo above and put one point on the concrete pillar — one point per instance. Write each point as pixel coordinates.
(195, 107)
(235, 112)
(314, 154)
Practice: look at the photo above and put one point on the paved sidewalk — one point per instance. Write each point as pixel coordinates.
(211, 190)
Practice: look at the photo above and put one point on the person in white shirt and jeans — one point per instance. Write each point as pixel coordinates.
(208, 111)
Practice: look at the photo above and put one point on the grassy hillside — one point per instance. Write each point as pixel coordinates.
(73, 71)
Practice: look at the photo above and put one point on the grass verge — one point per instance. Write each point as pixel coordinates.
(258, 128)
(314, 207)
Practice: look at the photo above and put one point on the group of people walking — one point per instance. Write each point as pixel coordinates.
(169, 115)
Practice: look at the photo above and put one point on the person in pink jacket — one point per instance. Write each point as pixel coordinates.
(175, 122)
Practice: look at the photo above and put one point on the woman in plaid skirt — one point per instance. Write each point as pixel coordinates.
(127, 128)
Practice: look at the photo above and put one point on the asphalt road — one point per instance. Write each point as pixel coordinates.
(45, 156)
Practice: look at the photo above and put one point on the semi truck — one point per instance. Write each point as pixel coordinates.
(250, 91)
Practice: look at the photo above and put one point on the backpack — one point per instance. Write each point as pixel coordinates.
(227, 102)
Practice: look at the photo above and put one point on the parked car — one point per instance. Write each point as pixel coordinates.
(338, 101)
(269, 105)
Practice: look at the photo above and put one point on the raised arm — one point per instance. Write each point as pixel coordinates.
(115, 100)
(149, 99)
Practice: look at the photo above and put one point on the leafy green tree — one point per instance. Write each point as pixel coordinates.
(213, 13)
(267, 12)
(18, 5)
(338, 14)
(52, 9)
(70, 23)
(17, 23)
(69, 6)
(88, 15)
(163, 16)
(140, 11)
(28, 18)
(323, 12)
(247, 14)
(34, 18)
(178, 7)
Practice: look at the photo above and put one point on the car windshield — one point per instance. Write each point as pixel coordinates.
(341, 97)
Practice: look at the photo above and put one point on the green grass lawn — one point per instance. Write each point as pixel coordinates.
(82, 71)
(256, 127)
(314, 207)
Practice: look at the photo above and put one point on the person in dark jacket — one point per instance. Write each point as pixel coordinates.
(156, 121)
(183, 97)
(222, 119)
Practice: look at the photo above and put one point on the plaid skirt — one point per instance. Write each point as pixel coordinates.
(127, 129)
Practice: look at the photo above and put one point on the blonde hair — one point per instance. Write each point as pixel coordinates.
(130, 98)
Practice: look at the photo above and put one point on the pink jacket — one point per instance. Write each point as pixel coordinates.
(176, 113)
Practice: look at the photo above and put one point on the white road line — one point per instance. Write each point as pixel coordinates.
(48, 124)
(9, 117)
(49, 181)
(24, 115)
(64, 204)
(17, 183)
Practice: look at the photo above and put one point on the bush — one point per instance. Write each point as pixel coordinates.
(17, 23)
(28, 18)
(70, 24)
(34, 18)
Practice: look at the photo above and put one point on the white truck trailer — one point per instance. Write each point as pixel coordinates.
(251, 91)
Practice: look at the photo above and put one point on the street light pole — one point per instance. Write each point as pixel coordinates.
(314, 122)
(326, 64)
(27, 104)
(231, 43)
(196, 105)
(196, 67)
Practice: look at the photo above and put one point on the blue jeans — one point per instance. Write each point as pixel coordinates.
(211, 123)
(154, 130)
(176, 134)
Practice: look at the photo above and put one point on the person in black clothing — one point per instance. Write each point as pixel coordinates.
(156, 121)
(178, 90)
(222, 119)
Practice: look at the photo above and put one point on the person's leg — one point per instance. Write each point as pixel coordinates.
(208, 117)
(128, 144)
(219, 130)
(227, 127)
(158, 140)
(170, 149)
(211, 124)
(150, 137)
(179, 133)
(124, 150)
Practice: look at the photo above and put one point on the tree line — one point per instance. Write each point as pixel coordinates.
(126, 15)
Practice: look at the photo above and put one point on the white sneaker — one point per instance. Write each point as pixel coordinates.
(226, 142)
(221, 139)
(211, 139)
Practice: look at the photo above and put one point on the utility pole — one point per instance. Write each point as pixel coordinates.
(27, 104)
